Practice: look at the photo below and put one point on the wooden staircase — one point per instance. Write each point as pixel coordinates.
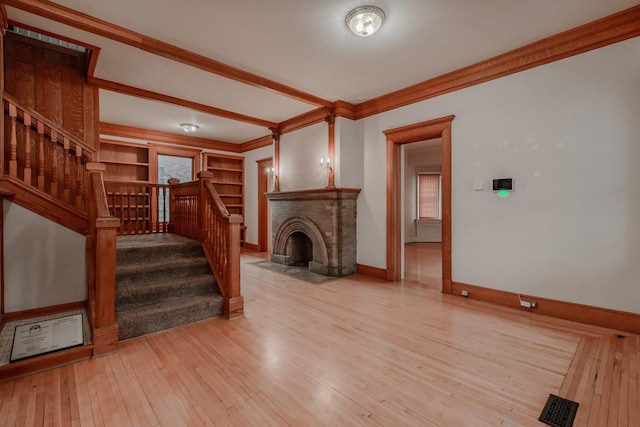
(47, 170)
(163, 281)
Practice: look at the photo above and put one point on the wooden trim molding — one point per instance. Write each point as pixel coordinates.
(275, 132)
(303, 120)
(372, 272)
(254, 144)
(263, 205)
(43, 204)
(44, 311)
(4, 19)
(170, 138)
(591, 315)
(46, 361)
(330, 118)
(155, 96)
(123, 35)
(437, 128)
(251, 247)
(602, 32)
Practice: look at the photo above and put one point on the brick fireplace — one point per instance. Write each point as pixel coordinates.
(315, 228)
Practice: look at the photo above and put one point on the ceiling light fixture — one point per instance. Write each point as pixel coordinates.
(188, 127)
(363, 21)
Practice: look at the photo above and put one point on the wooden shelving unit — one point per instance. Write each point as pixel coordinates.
(130, 164)
(125, 161)
(228, 180)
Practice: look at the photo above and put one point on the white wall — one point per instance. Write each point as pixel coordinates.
(251, 191)
(568, 133)
(349, 147)
(44, 263)
(300, 154)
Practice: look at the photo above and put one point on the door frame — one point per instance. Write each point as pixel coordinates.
(263, 187)
(396, 138)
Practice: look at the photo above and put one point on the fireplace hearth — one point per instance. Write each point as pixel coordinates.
(315, 228)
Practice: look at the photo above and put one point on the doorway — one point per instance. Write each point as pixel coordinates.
(396, 138)
(265, 185)
(422, 213)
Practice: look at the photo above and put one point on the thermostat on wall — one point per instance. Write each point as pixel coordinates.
(503, 184)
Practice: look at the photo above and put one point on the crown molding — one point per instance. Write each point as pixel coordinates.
(303, 120)
(602, 32)
(170, 138)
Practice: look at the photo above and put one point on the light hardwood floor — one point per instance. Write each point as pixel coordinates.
(347, 352)
(423, 264)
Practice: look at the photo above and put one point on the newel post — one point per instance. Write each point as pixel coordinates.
(172, 204)
(203, 177)
(233, 301)
(102, 233)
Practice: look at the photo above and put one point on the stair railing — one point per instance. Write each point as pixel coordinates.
(141, 207)
(196, 211)
(43, 156)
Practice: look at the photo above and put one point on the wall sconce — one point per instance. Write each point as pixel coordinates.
(325, 164)
(271, 172)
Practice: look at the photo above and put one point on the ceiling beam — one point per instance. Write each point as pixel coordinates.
(170, 138)
(155, 96)
(105, 29)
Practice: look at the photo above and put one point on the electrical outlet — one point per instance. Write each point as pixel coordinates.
(465, 293)
(526, 304)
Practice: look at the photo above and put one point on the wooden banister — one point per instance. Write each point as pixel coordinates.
(48, 124)
(198, 212)
(101, 264)
(44, 156)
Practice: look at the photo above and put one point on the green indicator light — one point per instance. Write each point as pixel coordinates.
(503, 193)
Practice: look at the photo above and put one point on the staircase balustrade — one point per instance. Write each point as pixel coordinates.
(198, 212)
(141, 207)
(42, 156)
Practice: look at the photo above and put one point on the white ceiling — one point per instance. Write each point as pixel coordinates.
(303, 44)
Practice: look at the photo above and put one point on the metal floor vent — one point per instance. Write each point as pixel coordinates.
(559, 412)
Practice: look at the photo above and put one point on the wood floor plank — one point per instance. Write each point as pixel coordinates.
(345, 352)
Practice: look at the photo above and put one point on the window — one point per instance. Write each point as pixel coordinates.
(429, 196)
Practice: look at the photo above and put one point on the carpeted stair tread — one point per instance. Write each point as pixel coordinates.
(162, 281)
(161, 270)
(133, 254)
(163, 315)
(142, 292)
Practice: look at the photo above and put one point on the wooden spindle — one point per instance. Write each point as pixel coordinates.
(54, 163)
(66, 173)
(13, 142)
(40, 127)
(27, 148)
(79, 176)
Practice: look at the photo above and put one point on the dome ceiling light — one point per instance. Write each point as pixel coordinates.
(188, 127)
(363, 21)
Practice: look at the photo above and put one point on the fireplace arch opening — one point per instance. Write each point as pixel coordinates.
(298, 241)
(300, 248)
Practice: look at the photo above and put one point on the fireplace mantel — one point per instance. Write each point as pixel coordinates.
(318, 193)
(327, 217)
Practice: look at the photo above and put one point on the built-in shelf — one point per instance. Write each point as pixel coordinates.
(228, 180)
(125, 161)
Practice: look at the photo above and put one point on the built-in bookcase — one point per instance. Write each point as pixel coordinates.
(125, 161)
(228, 180)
